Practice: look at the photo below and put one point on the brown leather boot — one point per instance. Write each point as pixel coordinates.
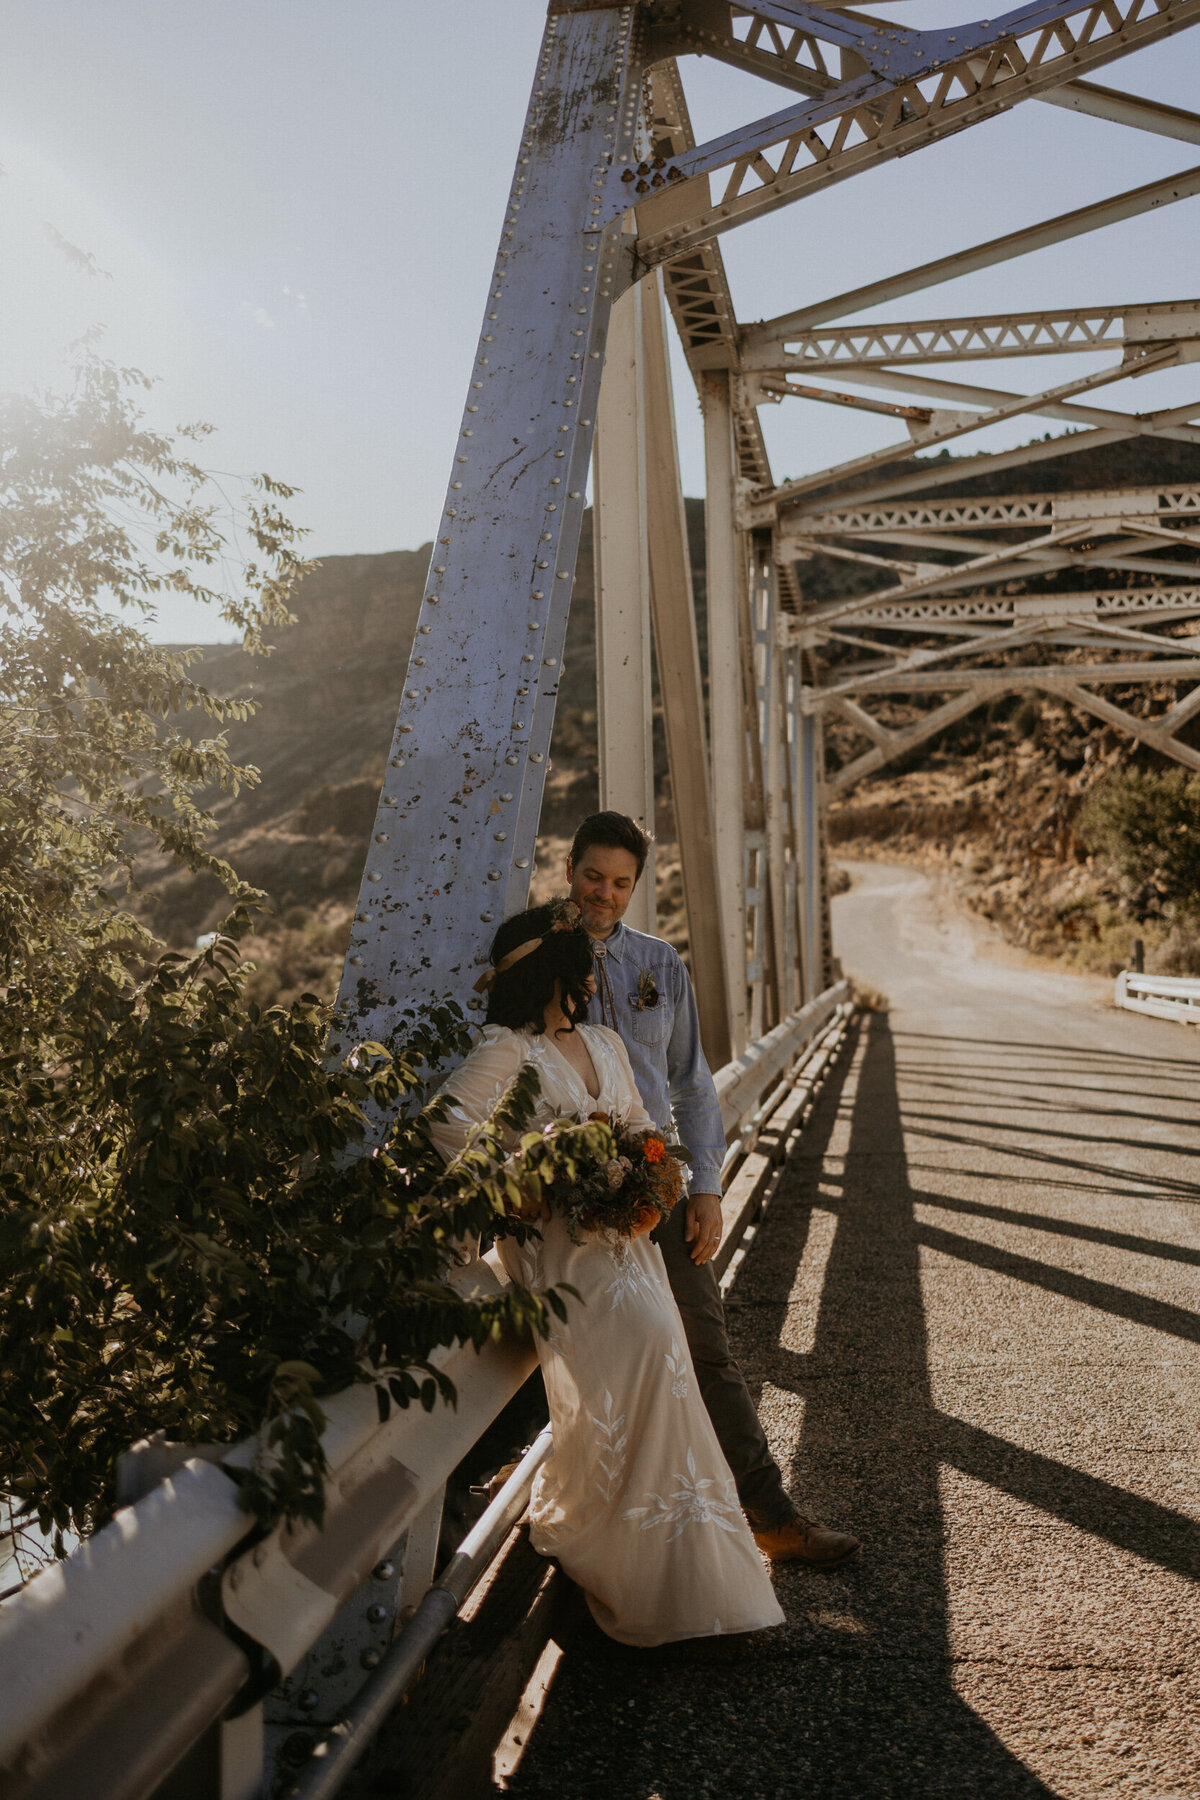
(803, 1540)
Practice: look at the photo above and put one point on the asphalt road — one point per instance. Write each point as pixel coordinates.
(973, 1318)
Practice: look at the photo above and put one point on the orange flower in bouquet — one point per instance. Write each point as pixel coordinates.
(608, 1178)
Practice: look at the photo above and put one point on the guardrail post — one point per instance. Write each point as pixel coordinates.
(319, 1690)
(420, 1548)
(241, 1747)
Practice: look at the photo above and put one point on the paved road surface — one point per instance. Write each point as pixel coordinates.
(973, 1315)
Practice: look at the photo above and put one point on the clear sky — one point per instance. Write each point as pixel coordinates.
(299, 202)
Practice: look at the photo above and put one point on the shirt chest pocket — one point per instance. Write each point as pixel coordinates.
(650, 1026)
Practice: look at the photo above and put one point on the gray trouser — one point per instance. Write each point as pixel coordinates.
(741, 1437)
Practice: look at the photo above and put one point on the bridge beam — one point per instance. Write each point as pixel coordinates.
(621, 550)
(678, 663)
(726, 733)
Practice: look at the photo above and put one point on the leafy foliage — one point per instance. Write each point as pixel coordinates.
(196, 1235)
(1146, 825)
(190, 1243)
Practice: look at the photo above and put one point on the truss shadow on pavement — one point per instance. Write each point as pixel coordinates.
(914, 1118)
(891, 1723)
(1170, 1187)
(1122, 1303)
(1153, 1067)
(1068, 1228)
(853, 1698)
(1097, 1507)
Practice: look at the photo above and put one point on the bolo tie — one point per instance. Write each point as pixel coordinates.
(608, 1006)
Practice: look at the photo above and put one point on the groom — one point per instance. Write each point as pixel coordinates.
(643, 991)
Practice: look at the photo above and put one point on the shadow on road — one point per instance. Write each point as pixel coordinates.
(1067, 1228)
(883, 1717)
(854, 1699)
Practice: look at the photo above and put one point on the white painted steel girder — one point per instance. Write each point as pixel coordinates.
(918, 681)
(1150, 197)
(454, 836)
(909, 88)
(1095, 603)
(1010, 510)
(976, 339)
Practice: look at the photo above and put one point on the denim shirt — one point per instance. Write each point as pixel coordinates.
(663, 1042)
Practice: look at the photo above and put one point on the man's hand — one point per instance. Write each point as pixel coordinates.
(703, 1228)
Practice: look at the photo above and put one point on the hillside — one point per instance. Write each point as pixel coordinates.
(994, 800)
(326, 705)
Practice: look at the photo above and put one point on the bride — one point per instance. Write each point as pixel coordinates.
(636, 1501)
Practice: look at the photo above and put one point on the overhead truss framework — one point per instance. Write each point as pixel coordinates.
(963, 577)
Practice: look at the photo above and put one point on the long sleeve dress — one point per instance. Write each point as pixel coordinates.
(636, 1501)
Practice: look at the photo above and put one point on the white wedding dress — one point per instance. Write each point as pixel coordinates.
(636, 1501)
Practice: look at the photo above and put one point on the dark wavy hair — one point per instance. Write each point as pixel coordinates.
(519, 996)
(612, 830)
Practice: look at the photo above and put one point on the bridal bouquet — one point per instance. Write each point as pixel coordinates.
(604, 1177)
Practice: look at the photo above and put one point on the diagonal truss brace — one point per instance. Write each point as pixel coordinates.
(945, 427)
(1158, 733)
(936, 83)
(1013, 511)
(891, 743)
(776, 45)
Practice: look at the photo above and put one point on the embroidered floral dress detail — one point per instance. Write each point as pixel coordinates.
(613, 1442)
(679, 1364)
(630, 1279)
(694, 1502)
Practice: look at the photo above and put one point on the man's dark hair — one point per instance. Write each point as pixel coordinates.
(519, 996)
(615, 831)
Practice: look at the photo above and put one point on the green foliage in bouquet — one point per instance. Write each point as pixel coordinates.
(601, 1177)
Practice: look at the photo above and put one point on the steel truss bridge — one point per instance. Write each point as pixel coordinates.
(613, 227)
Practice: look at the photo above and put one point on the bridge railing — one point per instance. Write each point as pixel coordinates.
(1174, 997)
(179, 1646)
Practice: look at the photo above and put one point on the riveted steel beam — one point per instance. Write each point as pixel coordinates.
(1127, 109)
(774, 43)
(726, 735)
(619, 520)
(1101, 603)
(454, 836)
(678, 661)
(1155, 732)
(980, 399)
(943, 427)
(941, 474)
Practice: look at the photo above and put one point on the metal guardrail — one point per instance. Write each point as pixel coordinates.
(151, 1650)
(1175, 997)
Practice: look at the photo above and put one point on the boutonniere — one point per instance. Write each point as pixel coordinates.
(647, 992)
